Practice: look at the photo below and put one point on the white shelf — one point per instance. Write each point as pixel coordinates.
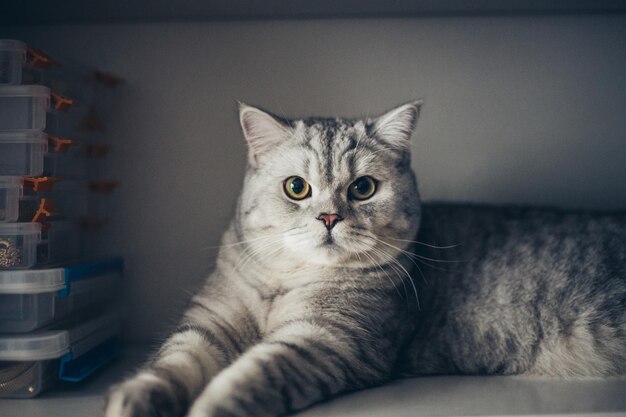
(434, 396)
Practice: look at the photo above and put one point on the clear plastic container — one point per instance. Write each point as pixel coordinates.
(25, 379)
(30, 299)
(65, 165)
(68, 78)
(28, 208)
(23, 107)
(60, 243)
(70, 351)
(71, 199)
(74, 200)
(10, 193)
(66, 200)
(73, 123)
(12, 56)
(18, 244)
(22, 153)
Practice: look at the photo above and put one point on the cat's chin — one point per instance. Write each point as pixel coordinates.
(332, 255)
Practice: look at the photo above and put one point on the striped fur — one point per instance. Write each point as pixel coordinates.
(295, 313)
(521, 291)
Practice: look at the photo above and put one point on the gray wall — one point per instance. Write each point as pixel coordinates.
(518, 109)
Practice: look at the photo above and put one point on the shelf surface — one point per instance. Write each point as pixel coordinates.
(432, 396)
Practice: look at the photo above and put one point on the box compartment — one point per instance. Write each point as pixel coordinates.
(60, 243)
(22, 153)
(70, 351)
(23, 107)
(71, 165)
(10, 193)
(61, 200)
(75, 122)
(31, 299)
(12, 56)
(18, 245)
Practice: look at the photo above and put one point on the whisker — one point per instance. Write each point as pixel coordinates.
(376, 265)
(422, 243)
(254, 251)
(243, 242)
(268, 248)
(409, 257)
(251, 252)
(408, 275)
(410, 253)
(394, 268)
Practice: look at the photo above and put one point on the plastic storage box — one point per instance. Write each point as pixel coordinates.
(28, 207)
(18, 244)
(22, 153)
(12, 54)
(60, 243)
(31, 299)
(73, 123)
(36, 209)
(23, 107)
(10, 193)
(64, 199)
(70, 199)
(65, 165)
(71, 351)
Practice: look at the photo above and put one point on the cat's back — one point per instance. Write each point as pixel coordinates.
(442, 220)
(528, 235)
(530, 289)
(525, 249)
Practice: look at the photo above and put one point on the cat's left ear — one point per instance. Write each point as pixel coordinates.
(397, 125)
(262, 131)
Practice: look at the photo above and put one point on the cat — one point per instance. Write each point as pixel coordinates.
(323, 285)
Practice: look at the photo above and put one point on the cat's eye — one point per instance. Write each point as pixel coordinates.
(297, 188)
(362, 189)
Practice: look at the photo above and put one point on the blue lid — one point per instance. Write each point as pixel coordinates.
(84, 270)
(76, 369)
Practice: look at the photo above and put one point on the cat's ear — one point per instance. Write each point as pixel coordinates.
(397, 125)
(262, 131)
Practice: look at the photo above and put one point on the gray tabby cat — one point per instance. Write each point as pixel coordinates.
(321, 288)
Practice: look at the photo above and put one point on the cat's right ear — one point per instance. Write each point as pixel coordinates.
(261, 130)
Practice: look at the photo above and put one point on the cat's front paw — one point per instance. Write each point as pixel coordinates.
(210, 405)
(144, 395)
(233, 394)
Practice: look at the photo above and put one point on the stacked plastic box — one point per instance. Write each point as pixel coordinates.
(58, 314)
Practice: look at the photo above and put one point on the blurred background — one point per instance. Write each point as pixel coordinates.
(525, 104)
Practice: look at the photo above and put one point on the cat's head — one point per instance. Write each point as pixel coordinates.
(327, 191)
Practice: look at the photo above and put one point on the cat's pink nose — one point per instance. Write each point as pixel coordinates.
(330, 220)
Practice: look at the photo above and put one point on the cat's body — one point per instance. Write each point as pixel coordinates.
(520, 291)
(320, 287)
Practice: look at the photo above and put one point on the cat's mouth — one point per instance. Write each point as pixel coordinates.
(328, 241)
(327, 247)
(338, 244)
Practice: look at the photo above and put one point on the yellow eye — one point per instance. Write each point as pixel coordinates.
(297, 188)
(362, 189)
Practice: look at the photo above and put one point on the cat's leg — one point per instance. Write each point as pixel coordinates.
(203, 345)
(299, 364)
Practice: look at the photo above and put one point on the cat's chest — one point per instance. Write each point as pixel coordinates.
(313, 303)
(309, 295)
(275, 303)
